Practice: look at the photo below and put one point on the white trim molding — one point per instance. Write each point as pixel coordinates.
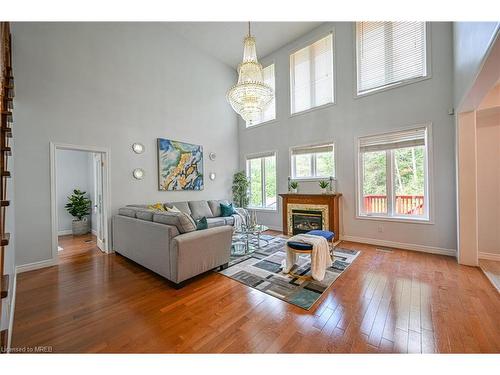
(11, 312)
(64, 232)
(36, 265)
(489, 256)
(401, 245)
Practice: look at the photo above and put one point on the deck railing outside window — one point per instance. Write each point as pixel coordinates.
(405, 204)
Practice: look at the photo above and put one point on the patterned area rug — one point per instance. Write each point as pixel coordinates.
(261, 270)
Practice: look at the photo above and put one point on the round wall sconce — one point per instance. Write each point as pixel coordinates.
(212, 176)
(212, 156)
(138, 148)
(138, 173)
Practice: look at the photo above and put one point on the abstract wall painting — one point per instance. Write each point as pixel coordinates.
(180, 165)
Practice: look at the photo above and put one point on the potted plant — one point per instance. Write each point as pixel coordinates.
(323, 184)
(294, 186)
(241, 184)
(78, 206)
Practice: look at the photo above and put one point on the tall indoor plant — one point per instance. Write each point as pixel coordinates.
(241, 184)
(78, 206)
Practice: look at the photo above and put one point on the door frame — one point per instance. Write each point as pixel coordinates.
(106, 191)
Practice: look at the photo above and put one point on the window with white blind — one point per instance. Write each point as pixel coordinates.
(311, 75)
(393, 175)
(389, 53)
(261, 171)
(311, 162)
(270, 112)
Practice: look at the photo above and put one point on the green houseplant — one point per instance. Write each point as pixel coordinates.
(294, 185)
(323, 184)
(78, 206)
(241, 184)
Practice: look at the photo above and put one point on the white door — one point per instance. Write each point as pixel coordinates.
(98, 209)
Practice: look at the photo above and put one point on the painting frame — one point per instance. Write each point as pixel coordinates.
(180, 165)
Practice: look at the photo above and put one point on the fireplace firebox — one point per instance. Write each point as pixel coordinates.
(305, 220)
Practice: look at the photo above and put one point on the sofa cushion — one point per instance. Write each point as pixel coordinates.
(182, 221)
(127, 211)
(181, 206)
(145, 214)
(216, 222)
(227, 209)
(215, 206)
(229, 220)
(202, 224)
(200, 209)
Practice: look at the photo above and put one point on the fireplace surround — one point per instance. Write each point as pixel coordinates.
(304, 212)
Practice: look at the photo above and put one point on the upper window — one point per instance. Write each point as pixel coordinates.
(313, 162)
(261, 171)
(311, 75)
(389, 53)
(270, 111)
(393, 175)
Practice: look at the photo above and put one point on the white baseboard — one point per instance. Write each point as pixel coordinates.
(35, 265)
(64, 232)
(94, 232)
(489, 256)
(272, 227)
(12, 309)
(401, 245)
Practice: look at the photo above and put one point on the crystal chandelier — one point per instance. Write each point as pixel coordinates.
(250, 96)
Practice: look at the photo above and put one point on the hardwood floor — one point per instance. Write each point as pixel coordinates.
(397, 301)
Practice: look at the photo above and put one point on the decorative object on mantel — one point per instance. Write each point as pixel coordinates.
(180, 165)
(212, 156)
(294, 187)
(212, 176)
(305, 212)
(138, 173)
(138, 148)
(333, 185)
(241, 184)
(323, 184)
(250, 96)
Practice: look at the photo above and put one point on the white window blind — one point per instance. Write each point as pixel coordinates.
(311, 75)
(389, 53)
(270, 112)
(391, 141)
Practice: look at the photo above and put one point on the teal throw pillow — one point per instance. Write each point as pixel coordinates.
(202, 224)
(227, 209)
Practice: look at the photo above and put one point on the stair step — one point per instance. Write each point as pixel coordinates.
(6, 174)
(7, 150)
(4, 287)
(4, 240)
(4, 203)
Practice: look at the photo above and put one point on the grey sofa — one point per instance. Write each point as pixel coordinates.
(161, 241)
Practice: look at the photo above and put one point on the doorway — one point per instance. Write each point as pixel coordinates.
(80, 200)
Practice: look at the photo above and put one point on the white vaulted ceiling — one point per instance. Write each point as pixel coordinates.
(224, 40)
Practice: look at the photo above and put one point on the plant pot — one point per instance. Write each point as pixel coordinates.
(79, 227)
(324, 190)
(294, 191)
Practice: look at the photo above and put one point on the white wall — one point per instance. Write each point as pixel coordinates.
(349, 118)
(110, 85)
(488, 182)
(471, 42)
(74, 171)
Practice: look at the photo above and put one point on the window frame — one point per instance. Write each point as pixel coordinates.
(268, 64)
(317, 37)
(262, 156)
(428, 181)
(315, 178)
(391, 86)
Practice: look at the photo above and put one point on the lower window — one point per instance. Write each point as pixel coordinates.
(261, 171)
(394, 175)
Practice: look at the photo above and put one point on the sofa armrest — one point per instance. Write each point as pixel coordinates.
(200, 251)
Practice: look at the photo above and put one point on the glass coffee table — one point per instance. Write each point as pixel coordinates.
(246, 236)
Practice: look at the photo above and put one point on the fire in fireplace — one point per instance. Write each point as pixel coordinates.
(305, 220)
